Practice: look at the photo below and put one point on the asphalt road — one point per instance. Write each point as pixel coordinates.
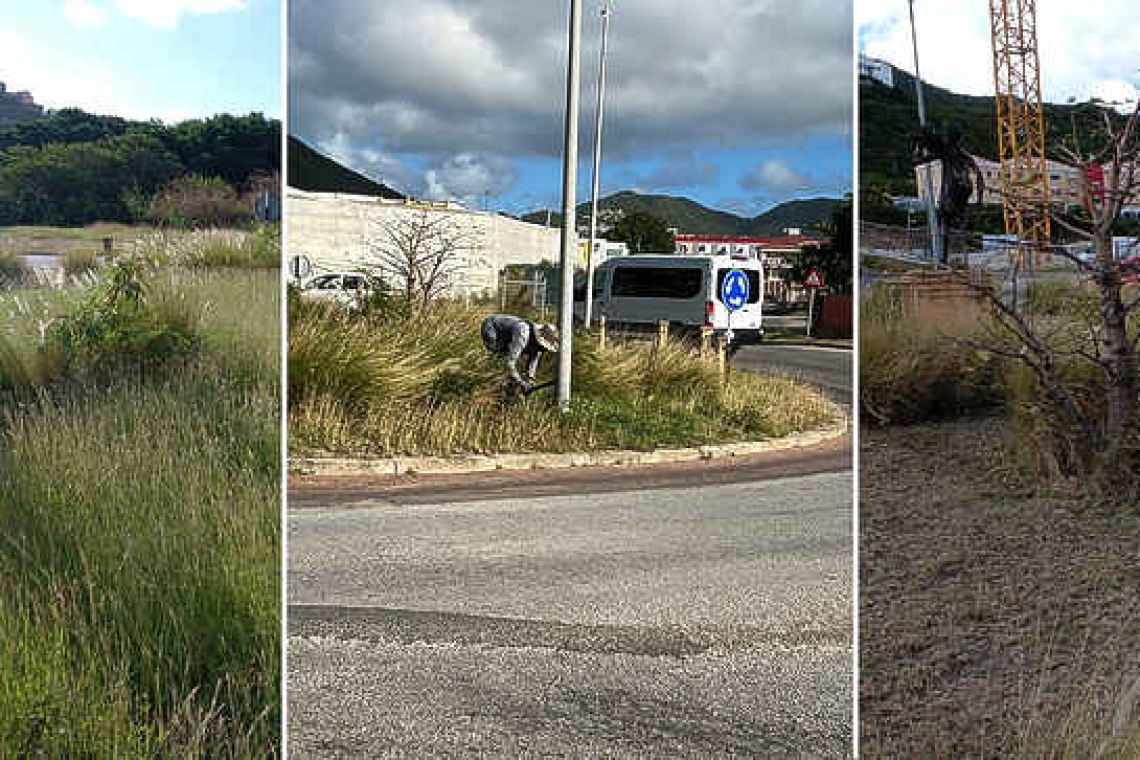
(695, 610)
(676, 621)
(830, 369)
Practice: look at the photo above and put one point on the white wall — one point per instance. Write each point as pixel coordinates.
(337, 232)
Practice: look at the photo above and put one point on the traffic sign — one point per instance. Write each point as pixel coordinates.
(814, 279)
(734, 290)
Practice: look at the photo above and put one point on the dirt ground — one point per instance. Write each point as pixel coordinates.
(993, 622)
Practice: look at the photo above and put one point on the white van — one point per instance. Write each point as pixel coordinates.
(638, 290)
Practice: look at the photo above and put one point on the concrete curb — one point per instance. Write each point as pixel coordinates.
(347, 466)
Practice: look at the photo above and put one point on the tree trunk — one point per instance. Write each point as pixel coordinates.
(1120, 358)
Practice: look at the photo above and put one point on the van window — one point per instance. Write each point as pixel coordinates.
(753, 284)
(657, 282)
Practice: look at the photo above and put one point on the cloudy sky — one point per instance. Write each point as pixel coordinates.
(1086, 49)
(143, 59)
(739, 104)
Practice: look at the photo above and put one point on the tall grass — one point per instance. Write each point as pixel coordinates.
(79, 262)
(911, 371)
(391, 385)
(139, 533)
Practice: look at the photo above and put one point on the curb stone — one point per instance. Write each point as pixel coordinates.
(329, 465)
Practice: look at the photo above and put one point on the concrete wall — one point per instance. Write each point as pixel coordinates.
(340, 232)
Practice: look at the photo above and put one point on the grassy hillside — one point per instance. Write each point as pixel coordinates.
(888, 119)
(315, 172)
(692, 217)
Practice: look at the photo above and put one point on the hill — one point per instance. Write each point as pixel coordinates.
(692, 217)
(888, 120)
(315, 172)
(71, 168)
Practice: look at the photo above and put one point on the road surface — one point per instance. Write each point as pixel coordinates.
(673, 621)
(694, 610)
(830, 369)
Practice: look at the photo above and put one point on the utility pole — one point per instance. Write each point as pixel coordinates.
(931, 219)
(589, 305)
(569, 182)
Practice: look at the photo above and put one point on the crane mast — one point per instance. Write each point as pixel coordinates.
(1020, 125)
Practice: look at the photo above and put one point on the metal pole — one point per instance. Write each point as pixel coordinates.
(589, 306)
(931, 220)
(569, 182)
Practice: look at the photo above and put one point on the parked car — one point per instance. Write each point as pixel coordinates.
(345, 288)
(638, 291)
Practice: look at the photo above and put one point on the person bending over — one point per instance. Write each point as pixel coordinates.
(514, 338)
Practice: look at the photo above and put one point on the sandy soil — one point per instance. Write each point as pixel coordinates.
(994, 622)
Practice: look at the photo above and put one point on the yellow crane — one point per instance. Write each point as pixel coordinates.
(1020, 125)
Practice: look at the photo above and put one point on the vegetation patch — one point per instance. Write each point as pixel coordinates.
(385, 384)
(139, 602)
(911, 371)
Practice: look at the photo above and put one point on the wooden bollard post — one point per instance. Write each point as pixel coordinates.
(602, 331)
(706, 341)
(662, 332)
(722, 359)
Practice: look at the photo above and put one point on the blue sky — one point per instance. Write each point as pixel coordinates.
(143, 59)
(737, 104)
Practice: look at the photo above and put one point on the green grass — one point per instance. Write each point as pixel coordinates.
(44, 239)
(78, 262)
(389, 386)
(139, 602)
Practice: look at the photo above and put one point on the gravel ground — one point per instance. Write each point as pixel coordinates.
(994, 622)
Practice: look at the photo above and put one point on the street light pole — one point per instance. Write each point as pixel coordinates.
(589, 305)
(569, 182)
(931, 220)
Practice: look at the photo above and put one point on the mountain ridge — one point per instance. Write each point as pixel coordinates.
(689, 216)
(313, 171)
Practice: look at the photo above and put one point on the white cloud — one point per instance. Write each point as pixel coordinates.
(776, 177)
(1082, 47)
(436, 76)
(469, 178)
(85, 13)
(372, 163)
(1118, 92)
(167, 13)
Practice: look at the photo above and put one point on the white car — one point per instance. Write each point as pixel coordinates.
(345, 288)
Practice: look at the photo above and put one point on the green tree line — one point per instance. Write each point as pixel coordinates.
(74, 168)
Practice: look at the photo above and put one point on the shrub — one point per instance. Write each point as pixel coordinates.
(118, 325)
(195, 202)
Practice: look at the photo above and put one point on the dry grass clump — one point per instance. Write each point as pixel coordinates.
(911, 371)
(388, 384)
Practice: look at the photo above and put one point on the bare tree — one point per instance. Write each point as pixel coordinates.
(423, 254)
(1096, 419)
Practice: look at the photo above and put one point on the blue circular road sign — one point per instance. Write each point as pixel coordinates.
(734, 290)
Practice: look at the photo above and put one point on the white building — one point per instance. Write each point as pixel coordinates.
(336, 231)
(604, 249)
(876, 69)
(1066, 183)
